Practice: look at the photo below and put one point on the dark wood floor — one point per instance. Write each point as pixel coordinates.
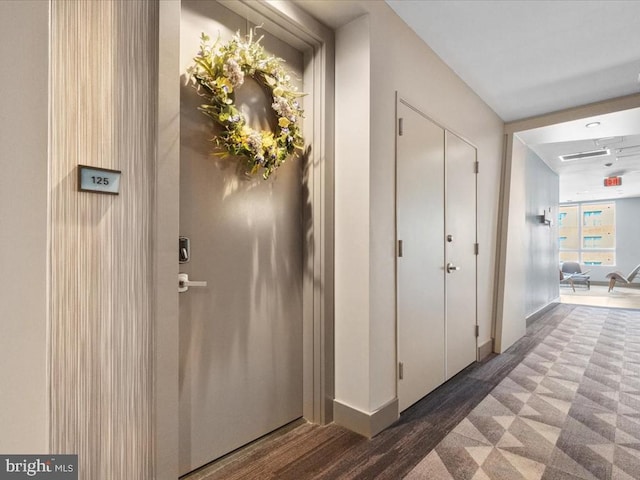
(307, 452)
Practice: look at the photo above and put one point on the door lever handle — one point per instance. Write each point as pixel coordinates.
(184, 283)
(451, 267)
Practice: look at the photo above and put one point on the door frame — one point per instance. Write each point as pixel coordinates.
(316, 42)
(408, 103)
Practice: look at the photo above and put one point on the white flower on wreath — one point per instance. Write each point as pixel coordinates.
(254, 140)
(233, 72)
(282, 107)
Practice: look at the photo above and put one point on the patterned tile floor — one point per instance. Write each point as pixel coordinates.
(570, 410)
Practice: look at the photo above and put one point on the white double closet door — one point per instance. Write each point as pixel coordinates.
(436, 264)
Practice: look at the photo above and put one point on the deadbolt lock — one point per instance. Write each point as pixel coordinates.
(184, 250)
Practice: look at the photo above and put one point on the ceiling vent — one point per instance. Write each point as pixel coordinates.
(585, 155)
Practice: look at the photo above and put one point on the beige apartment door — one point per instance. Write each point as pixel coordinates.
(436, 264)
(241, 366)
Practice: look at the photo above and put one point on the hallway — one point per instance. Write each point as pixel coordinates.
(295, 315)
(555, 344)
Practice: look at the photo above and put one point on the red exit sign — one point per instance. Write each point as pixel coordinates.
(613, 181)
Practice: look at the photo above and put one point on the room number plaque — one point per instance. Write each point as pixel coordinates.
(99, 180)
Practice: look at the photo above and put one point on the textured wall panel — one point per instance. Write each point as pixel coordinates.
(541, 242)
(103, 98)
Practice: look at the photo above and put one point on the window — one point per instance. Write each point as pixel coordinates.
(587, 233)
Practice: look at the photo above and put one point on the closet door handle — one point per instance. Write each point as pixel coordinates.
(451, 267)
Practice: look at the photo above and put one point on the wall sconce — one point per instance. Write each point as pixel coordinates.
(545, 218)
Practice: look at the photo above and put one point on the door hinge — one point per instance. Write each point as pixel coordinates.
(476, 249)
(400, 249)
(476, 167)
(400, 370)
(400, 127)
(477, 331)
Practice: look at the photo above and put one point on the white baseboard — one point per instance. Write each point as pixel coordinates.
(366, 424)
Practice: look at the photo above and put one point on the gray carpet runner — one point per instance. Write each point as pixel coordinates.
(570, 410)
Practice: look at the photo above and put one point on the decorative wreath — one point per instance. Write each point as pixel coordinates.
(219, 69)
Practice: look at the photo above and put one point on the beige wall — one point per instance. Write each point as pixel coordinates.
(24, 422)
(399, 61)
(352, 221)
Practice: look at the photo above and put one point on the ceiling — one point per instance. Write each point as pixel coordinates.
(531, 57)
(528, 58)
(617, 135)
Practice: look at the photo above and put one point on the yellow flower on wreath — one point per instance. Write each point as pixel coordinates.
(218, 70)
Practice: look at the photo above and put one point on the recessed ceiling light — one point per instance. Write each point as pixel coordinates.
(592, 124)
